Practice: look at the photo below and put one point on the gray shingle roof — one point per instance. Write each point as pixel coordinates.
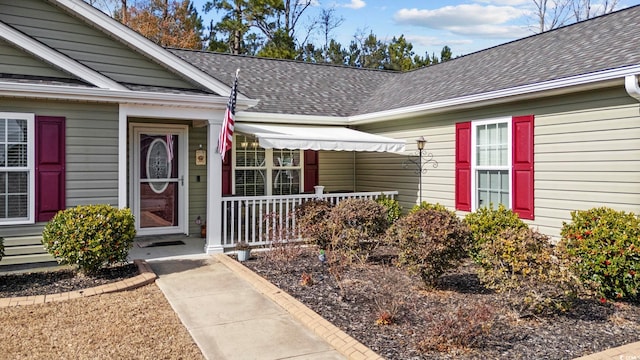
(602, 43)
(291, 87)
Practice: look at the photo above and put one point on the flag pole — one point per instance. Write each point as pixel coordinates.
(225, 140)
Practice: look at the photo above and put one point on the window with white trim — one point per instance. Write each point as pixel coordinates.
(17, 178)
(491, 163)
(258, 171)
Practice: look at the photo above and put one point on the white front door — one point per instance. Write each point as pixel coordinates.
(159, 185)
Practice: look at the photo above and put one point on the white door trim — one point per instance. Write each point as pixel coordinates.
(183, 172)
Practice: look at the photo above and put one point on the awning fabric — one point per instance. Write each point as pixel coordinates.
(304, 137)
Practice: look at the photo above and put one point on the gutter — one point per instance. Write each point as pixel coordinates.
(631, 85)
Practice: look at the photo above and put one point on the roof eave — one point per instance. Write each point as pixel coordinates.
(600, 79)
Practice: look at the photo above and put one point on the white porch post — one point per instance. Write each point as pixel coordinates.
(214, 192)
(122, 158)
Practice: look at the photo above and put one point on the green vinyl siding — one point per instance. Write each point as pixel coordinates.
(16, 62)
(91, 152)
(587, 154)
(336, 170)
(72, 37)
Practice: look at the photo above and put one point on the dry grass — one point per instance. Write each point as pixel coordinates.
(136, 324)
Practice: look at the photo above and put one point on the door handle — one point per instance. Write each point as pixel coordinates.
(181, 180)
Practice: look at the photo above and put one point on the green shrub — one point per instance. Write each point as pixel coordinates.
(431, 242)
(90, 236)
(394, 210)
(428, 206)
(523, 265)
(487, 223)
(606, 247)
(1, 247)
(356, 227)
(312, 222)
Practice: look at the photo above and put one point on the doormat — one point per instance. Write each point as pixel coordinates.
(159, 243)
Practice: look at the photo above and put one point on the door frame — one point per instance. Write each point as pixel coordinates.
(183, 171)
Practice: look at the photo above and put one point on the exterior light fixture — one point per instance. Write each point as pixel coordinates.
(420, 162)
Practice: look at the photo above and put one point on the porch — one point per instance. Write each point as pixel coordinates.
(260, 220)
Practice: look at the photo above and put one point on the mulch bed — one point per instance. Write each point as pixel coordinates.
(58, 281)
(444, 320)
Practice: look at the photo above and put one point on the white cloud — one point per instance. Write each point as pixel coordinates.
(355, 4)
(426, 41)
(506, 2)
(458, 16)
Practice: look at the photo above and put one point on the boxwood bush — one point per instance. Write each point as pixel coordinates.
(394, 210)
(428, 206)
(523, 265)
(431, 241)
(90, 236)
(605, 244)
(486, 223)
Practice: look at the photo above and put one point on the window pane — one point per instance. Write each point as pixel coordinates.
(17, 206)
(250, 182)
(3, 132)
(286, 182)
(17, 130)
(18, 182)
(248, 153)
(3, 155)
(17, 155)
(492, 188)
(286, 158)
(14, 197)
(492, 145)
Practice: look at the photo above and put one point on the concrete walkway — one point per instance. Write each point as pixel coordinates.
(233, 313)
(229, 319)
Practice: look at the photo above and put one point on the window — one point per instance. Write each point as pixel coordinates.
(491, 170)
(494, 164)
(17, 178)
(259, 171)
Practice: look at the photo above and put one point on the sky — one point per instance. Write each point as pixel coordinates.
(465, 26)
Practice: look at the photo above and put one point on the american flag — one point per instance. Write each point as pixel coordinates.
(226, 133)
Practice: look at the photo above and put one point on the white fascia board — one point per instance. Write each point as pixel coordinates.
(270, 118)
(554, 87)
(143, 45)
(53, 92)
(49, 55)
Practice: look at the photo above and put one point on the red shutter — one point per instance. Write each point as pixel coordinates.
(522, 174)
(226, 176)
(310, 170)
(463, 166)
(50, 166)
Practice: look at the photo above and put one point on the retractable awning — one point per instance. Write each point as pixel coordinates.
(304, 137)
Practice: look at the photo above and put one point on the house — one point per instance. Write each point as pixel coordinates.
(91, 112)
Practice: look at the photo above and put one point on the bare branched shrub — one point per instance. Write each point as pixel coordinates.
(284, 246)
(460, 329)
(356, 227)
(312, 222)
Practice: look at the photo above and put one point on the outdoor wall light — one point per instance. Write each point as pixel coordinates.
(420, 162)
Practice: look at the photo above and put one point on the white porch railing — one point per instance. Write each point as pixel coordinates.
(258, 220)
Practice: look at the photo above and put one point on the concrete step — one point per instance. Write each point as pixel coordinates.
(24, 250)
(22, 241)
(26, 259)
